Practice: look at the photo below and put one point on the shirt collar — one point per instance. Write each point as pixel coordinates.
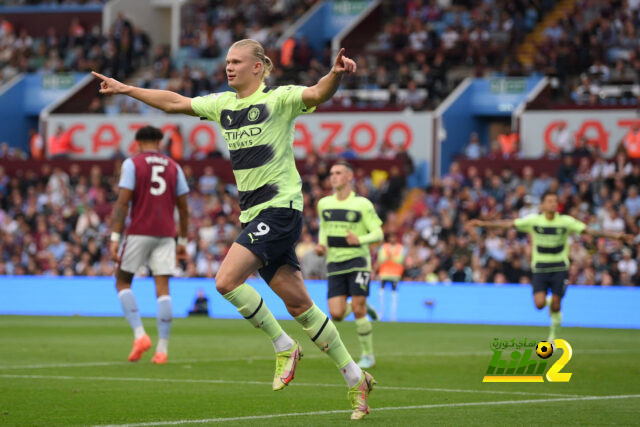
(253, 95)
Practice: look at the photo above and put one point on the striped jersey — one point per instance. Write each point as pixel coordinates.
(259, 132)
(550, 240)
(355, 213)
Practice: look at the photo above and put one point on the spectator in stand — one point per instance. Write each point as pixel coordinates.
(508, 144)
(631, 141)
(208, 182)
(582, 148)
(632, 202)
(564, 139)
(567, 170)
(474, 150)
(36, 145)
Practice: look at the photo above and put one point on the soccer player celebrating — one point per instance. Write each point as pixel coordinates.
(154, 184)
(348, 224)
(549, 233)
(257, 123)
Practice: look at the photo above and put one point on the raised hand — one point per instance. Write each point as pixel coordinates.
(342, 64)
(109, 86)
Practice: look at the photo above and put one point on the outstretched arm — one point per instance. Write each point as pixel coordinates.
(167, 101)
(500, 223)
(328, 85)
(610, 235)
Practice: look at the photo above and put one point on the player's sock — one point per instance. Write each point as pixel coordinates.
(365, 335)
(556, 320)
(394, 306)
(352, 373)
(131, 313)
(163, 346)
(283, 343)
(252, 307)
(348, 310)
(325, 336)
(547, 301)
(381, 301)
(165, 317)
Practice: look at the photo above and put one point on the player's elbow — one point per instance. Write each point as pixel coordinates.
(312, 97)
(181, 105)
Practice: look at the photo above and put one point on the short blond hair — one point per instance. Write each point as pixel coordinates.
(258, 51)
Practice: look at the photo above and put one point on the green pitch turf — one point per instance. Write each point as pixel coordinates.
(73, 371)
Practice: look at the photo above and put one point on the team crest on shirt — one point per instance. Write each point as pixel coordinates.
(253, 115)
(351, 216)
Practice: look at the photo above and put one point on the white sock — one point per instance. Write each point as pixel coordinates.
(352, 374)
(163, 346)
(131, 313)
(138, 332)
(394, 306)
(381, 301)
(282, 343)
(164, 316)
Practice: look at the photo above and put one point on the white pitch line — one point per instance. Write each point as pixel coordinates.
(212, 381)
(312, 356)
(387, 408)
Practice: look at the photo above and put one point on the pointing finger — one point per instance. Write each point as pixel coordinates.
(100, 76)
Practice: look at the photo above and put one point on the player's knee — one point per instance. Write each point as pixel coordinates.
(298, 307)
(540, 305)
(336, 316)
(123, 280)
(359, 312)
(224, 284)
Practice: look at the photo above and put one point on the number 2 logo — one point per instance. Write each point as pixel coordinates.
(554, 374)
(156, 178)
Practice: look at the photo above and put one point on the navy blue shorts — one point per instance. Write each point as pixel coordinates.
(556, 281)
(349, 284)
(272, 236)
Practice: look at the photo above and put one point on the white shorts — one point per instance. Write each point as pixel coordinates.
(159, 253)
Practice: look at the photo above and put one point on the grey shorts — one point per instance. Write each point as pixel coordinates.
(158, 253)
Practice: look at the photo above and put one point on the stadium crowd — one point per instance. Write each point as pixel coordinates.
(58, 223)
(410, 59)
(124, 49)
(597, 41)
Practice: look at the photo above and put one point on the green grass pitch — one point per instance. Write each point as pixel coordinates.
(73, 371)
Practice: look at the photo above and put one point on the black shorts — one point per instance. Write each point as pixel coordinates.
(272, 236)
(556, 281)
(349, 284)
(385, 282)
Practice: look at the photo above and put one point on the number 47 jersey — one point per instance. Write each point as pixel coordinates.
(156, 181)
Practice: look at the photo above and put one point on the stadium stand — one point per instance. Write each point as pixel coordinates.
(414, 59)
(57, 223)
(79, 48)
